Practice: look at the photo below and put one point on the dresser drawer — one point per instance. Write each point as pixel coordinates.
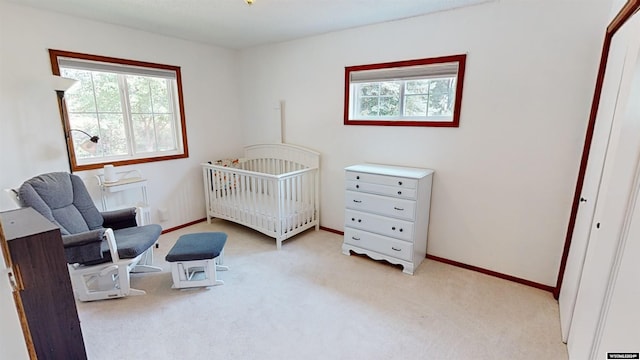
(396, 228)
(382, 179)
(384, 245)
(383, 205)
(395, 191)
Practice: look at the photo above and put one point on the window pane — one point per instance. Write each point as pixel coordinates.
(381, 99)
(389, 106)
(368, 106)
(89, 124)
(160, 95)
(144, 138)
(417, 87)
(440, 96)
(113, 138)
(107, 92)
(81, 97)
(139, 94)
(164, 133)
(369, 89)
(390, 88)
(415, 105)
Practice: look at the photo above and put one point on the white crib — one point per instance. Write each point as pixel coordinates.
(274, 189)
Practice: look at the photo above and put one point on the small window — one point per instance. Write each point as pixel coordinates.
(424, 92)
(134, 108)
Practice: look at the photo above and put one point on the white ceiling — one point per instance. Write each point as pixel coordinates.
(234, 24)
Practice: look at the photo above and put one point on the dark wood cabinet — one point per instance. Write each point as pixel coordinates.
(33, 251)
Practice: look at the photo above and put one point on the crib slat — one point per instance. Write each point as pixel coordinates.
(242, 215)
(251, 192)
(258, 192)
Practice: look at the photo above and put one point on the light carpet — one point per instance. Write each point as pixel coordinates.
(309, 301)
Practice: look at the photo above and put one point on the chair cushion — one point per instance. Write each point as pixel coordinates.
(134, 241)
(131, 242)
(197, 246)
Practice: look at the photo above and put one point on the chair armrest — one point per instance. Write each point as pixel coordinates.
(83, 238)
(120, 219)
(84, 247)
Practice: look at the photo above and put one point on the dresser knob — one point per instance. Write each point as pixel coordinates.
(357, 186)
(399, 182)
(353, 219)
(355, 238)
(395, 249)
(393, 228)
(400, 229)
(399, 192)
(357, 177)
(359, 220)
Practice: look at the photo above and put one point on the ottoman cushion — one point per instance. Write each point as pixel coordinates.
(198, 246)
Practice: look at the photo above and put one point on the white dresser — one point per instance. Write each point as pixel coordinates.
(387, 213)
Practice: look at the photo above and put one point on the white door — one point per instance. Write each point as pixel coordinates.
(618, 331)
(591, 185)
(609, 235)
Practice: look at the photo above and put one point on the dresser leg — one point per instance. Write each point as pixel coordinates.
(408, 269)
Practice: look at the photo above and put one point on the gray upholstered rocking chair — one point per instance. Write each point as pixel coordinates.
(101, 249)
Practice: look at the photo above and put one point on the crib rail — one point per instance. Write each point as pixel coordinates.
(276, 197)
(307, 157)
(271, 166)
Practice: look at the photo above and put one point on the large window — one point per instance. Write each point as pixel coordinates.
(134, 108)
(424, 92)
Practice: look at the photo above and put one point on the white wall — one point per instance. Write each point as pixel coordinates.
(31, 139)
(504, 179)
